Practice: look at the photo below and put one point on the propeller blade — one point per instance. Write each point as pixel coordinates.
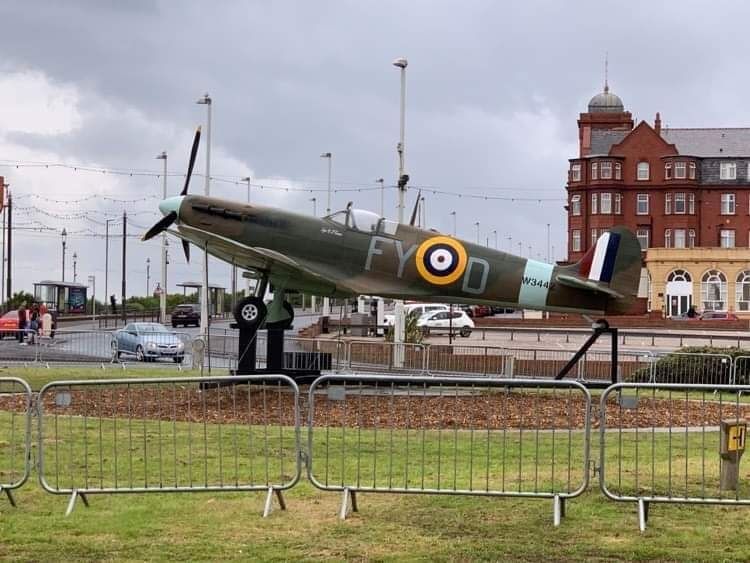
(162, 225)
(193, 153)
(416, 209)
(186, 249)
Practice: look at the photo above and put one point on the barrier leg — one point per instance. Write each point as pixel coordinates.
(642, 514)
(268, 507)
(558, 510)
(9, 494)
(348, 499)
(72, 502)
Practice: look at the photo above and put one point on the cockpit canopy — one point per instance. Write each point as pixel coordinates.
(363, 220)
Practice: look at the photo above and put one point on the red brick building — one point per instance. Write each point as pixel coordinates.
(676, 189)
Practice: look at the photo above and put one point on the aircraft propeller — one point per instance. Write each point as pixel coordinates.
(165, 222)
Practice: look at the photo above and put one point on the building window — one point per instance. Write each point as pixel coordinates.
(691, 170)
(668, 171)
(643, 171)
(618, 171)
(691, 238)
(680, 170)
(606, 204)
(606, 170)
(642, 235)
(679, 238)
(575, 244)
(575, 173)
(618, 204)
(728, 171)
(679, 203)
(667, 204)
(726, 238)
(641, 206)
(691, 204)
(742, 291)
(727, 204)
(714, 291)
(667, 238)
(594, 171)
(594, 237)
(575, 205)
(594, 206)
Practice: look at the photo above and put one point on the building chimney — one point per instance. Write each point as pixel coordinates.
(657, 124)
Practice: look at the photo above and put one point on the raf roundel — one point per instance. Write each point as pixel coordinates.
(441, 260)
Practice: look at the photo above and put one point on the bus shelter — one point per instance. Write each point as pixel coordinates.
(215, 294)
(60, 296)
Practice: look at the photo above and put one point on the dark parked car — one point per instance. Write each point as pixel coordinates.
(186, 314)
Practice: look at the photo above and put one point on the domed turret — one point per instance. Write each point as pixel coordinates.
(606, 102)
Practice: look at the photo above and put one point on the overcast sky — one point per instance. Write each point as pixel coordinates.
(494, 91)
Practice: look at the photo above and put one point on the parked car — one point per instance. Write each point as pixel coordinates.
(9, 323)
(186, 314)
(416, 309)
(442, 319)
(719, 316)
(147, 342)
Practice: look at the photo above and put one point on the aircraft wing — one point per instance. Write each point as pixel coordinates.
(258, 258)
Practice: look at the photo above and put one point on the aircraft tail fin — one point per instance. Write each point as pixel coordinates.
(612, 266)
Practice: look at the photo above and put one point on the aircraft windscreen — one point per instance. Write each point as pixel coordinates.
(364, 220)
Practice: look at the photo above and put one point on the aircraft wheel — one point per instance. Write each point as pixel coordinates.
(250, 312)
(286, 324)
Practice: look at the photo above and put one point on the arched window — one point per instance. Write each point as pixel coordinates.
(643, 172)
(714, 291)
(742, 291)
(679, 275)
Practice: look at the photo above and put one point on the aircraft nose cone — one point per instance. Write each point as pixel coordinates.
(171, 204)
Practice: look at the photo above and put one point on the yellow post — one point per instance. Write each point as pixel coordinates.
(733, 433)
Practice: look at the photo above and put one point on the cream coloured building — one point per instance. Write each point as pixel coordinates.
(711, 279)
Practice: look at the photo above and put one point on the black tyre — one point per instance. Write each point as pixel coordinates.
(115, 351)
(250, 312)
(465, 332)
(286, 324)
(139, 355)
(179, 359)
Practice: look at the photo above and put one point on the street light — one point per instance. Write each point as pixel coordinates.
(148, 275)
(163, 295)
(92, 282)
(206, 100)
(454, 222)
(381, 181)
(329, 156)
(64, 242)
(494, 233)
(402, 63)
(75, 267)
(247, 179)
(510, 243)
(106, 261)
(315, 206)
(477, 226)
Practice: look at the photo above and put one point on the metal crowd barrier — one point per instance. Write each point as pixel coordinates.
(382, 357)
(476, 360)
(692, 368)
(169, 435)
(15, 434)
(668, 443)
(446, 435)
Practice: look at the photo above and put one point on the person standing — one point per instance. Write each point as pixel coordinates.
(21, 322)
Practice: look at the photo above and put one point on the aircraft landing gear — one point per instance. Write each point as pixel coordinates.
(250, 313)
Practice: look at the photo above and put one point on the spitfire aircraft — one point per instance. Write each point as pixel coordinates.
(357, 252)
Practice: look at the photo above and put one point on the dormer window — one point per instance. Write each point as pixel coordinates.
(643, 171)
(728, 171)
(680, 170)
(606, 170)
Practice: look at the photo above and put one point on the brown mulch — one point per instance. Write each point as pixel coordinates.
(527, 410)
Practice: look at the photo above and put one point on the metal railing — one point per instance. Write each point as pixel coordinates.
(461, 359)
(15, 434)
(457, 436)
(383, 357)
(169, 435)
(661, 443)
(689, 368)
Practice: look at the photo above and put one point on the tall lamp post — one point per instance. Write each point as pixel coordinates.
(402, 63)
(64, 235)
(329, 156)
(106, 262)
(381, 181)
(206, 100)
(75, 267)
(148, 275)
(163, 294)
(247, 179)
(92, 282)
(315, 206)
(477, 226)
(494, 233)
(454, 222)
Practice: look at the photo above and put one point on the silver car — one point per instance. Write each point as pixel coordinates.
(147, 342)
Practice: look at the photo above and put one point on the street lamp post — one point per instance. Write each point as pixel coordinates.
(329, 156)
(206, 100)
(247, 179)
(64, 235)
(148, 275)
(315, 206)
(381, 181)
(477, 226)
(510, 243)
(75, 267)
(454, 222)
(402, 63)
(92, 281)
(520, 248)
(494, 233)
(106, 261)
(548, 244)
(163, 294)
